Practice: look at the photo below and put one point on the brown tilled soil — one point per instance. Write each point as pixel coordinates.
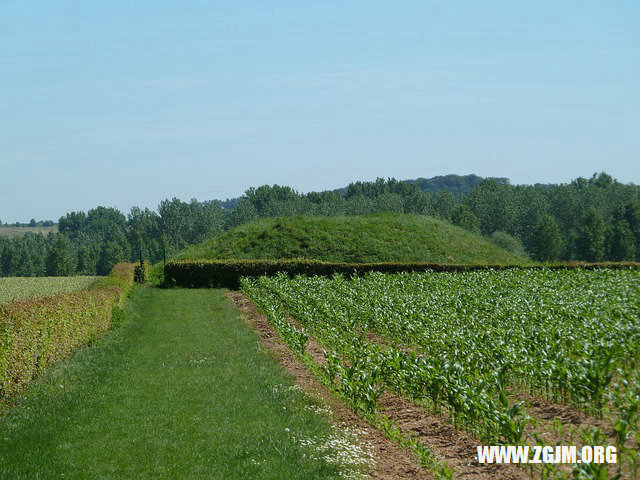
(546, 414)
(455, 447)
(572, 421)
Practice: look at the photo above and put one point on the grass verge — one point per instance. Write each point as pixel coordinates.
(182, 390)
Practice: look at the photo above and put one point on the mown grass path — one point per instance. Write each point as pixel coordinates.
(182, 390)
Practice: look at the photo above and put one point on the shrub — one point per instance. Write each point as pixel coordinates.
(509, 243)
(121, 277)
(227, 273)
(36, 333)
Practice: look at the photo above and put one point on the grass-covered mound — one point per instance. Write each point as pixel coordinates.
(388, 237)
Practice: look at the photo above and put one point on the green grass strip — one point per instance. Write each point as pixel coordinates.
(182, 390)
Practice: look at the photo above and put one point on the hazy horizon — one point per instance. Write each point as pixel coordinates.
(154, 207)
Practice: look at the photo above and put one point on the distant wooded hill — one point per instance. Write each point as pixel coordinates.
(13, 230)
(458, 185)
(592, 219)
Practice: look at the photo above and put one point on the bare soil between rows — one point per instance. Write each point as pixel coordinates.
(545, 413)
(455, 447)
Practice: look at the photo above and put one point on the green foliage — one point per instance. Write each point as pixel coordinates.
(458, 185)
(6, 260)
(547, 243)
(121, 278)
(111, 253)
(72, 223)
(625, 398)
(493, 203)
(36, 333)
(622, 242)
(60, 261)
(228, 273)
(631, 215)
(592, 470)
(155, 275)
(462, 216)
(509, 243)
(372, 238)
(443, 341)
(145, 234)
(591, 236)
(24, 255)
(141, 272)
(243, 213)
(443, 204)
(186, 223)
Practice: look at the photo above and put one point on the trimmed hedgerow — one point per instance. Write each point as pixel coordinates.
(36, 333)
(227, 273)
(121, 277)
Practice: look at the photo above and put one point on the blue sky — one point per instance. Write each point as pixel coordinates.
(127, 103)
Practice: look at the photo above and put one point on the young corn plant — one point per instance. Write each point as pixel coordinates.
(594, 471)
(512, 419)
(597, 375)
(513, 422)
(625, 399)
(361, 386)
(436, 338)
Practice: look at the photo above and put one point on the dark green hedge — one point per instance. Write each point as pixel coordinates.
(227, 273)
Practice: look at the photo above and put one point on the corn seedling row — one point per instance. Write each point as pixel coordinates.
(459, 343)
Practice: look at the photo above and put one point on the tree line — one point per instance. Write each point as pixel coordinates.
(32, 223)
(592, 219)
(91, 243)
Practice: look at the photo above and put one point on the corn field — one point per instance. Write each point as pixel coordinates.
(463, 345)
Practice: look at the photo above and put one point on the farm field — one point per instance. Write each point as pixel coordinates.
(506, 357)
(320, 241)
(20, 288)
(7, 231)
